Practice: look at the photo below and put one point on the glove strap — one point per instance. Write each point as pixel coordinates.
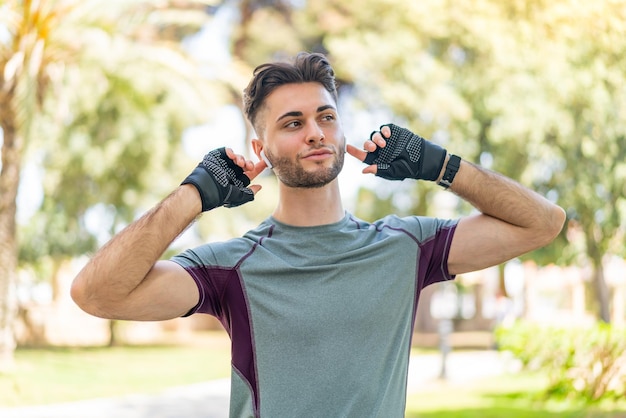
(451, 169)
(205, 183)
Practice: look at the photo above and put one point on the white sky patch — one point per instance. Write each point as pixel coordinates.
(227, 129)
(30, 191)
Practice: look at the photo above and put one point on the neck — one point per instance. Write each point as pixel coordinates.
(309, 207)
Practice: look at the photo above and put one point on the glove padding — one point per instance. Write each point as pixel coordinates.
(407, 155)
(220, 181)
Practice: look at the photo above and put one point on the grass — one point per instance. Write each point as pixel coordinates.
(51, 375)
(67, 374)
(510, 396)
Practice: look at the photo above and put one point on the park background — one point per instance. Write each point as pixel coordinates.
(106, 106)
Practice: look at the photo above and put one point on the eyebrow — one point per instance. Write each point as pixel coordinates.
(298, 113)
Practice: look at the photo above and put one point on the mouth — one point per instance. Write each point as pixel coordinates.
(318, 154)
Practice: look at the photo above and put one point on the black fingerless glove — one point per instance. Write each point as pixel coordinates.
(407, 155)
(220, 181)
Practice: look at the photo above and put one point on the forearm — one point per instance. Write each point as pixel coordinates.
(121, 265)
(502, 198)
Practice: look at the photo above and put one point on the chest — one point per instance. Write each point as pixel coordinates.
(331, 298)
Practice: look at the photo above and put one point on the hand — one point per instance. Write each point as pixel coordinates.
(222, 178)
(395, 153)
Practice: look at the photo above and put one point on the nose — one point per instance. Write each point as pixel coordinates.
(315, 134)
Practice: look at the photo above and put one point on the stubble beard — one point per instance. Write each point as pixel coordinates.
(292, 174)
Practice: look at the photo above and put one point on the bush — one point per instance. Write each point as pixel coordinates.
(587, 363)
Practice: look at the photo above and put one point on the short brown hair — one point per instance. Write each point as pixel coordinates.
(306, 67)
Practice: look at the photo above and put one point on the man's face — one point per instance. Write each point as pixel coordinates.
(303, 137)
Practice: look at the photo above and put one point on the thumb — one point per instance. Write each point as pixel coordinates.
(370, 169)
(360, 155)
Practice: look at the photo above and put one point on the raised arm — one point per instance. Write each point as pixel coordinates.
(513, 219)
(126, 280)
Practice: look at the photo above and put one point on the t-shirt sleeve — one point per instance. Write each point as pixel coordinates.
(434, 237)
(434, 252)
(199, 270)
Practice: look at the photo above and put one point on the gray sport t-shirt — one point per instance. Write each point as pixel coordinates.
(320, 318)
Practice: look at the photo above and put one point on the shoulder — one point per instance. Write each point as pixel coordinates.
(226, 253)
(422, 227)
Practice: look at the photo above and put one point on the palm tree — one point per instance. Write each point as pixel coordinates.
(24, 57)
(48, 45)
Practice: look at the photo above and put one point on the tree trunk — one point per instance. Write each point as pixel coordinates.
(502, 292)
(57, 286)
(9, 181)
(595, 255)
(602, 291)
(113, 340)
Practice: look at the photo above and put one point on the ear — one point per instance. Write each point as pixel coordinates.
(257, 146)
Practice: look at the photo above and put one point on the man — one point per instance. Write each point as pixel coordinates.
(319, 305)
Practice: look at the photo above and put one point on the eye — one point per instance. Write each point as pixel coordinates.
(293, 124)
(329, 117)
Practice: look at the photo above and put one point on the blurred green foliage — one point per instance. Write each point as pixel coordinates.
(531, 89)
(90, 100)
(585, 363)
(97, 95)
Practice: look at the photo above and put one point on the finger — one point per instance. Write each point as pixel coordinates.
(230, 153)
(256, 170)
(359, 154)
(248, 165)
(370, 146)
(378, 139)
(255, 188)
(386, 131)
(237, 159)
